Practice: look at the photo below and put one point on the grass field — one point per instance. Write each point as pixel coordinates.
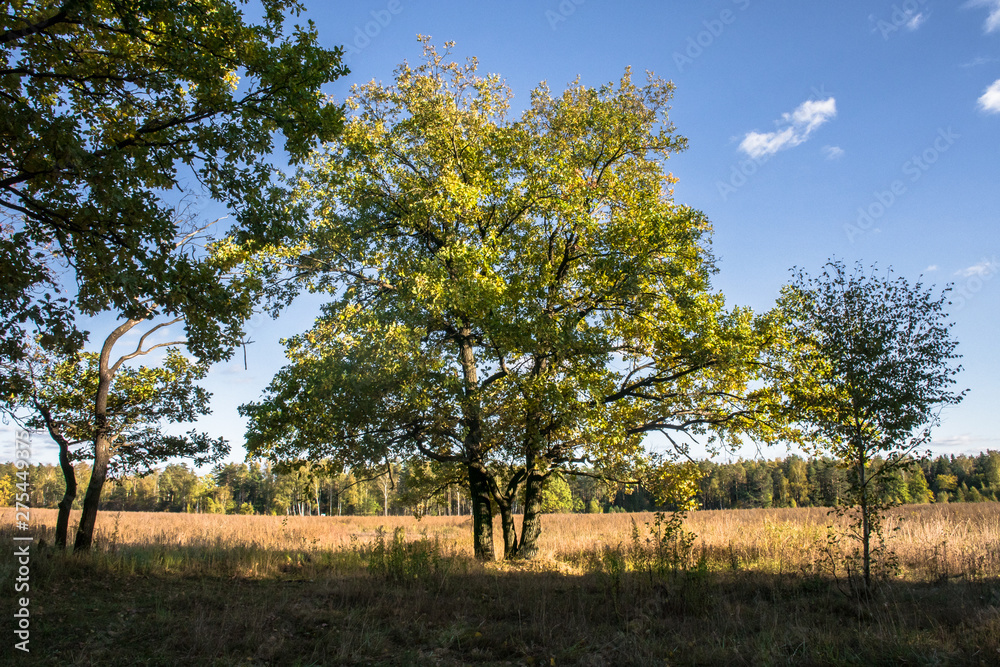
(755, 587)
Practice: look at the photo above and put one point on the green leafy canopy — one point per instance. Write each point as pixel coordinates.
(870, 357)
(109, 109)
(142, 401)
(521, 293)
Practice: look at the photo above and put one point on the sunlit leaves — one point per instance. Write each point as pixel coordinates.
(141, 401)
(527, 279)
(105, 107)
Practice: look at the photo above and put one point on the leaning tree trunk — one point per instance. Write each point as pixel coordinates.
(91, 501)
(102, 438)
(69, 475)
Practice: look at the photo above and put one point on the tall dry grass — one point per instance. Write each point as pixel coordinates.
(930, 541)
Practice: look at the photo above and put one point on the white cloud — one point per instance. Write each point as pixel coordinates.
(931, 268)
(990, 101)
(983, 269)
(758, 144)
(916, 21)
(833, 152)
(813, 113)
(993, 20)
(793, 129)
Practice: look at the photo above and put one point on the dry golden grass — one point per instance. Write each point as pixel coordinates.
(930, 541)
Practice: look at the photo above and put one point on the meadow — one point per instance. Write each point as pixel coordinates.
(729, 587)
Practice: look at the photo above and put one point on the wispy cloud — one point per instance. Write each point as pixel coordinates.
(901, 19)
(978, 61)
(916, 21)
(967, 442)
(793, 129)
(993, 20)
(833, 152)
(990, 101)
(984, 268)
(931, 268)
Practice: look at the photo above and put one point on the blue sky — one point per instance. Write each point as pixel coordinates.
(859, 130)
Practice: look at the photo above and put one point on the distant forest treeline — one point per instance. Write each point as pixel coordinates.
(259, 489)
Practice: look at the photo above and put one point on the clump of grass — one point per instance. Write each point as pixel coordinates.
(667, 547)
(397, 561)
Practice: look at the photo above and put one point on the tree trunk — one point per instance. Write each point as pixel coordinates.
(479, 481)
(482, 514)
(102, 439)
(865, 524)
(505, 507)
(69, 475)
(99, 474)
(66, 504)
(531, 527)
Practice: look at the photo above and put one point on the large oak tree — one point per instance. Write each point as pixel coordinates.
(514, 296)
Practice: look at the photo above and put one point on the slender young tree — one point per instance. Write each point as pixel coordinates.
(139, 401)
(870, 367)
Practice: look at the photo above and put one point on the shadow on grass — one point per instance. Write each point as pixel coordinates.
(176, 606)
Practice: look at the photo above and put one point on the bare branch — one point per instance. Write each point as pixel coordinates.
(138, 348)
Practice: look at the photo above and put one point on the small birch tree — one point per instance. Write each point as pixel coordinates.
(870, 369)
